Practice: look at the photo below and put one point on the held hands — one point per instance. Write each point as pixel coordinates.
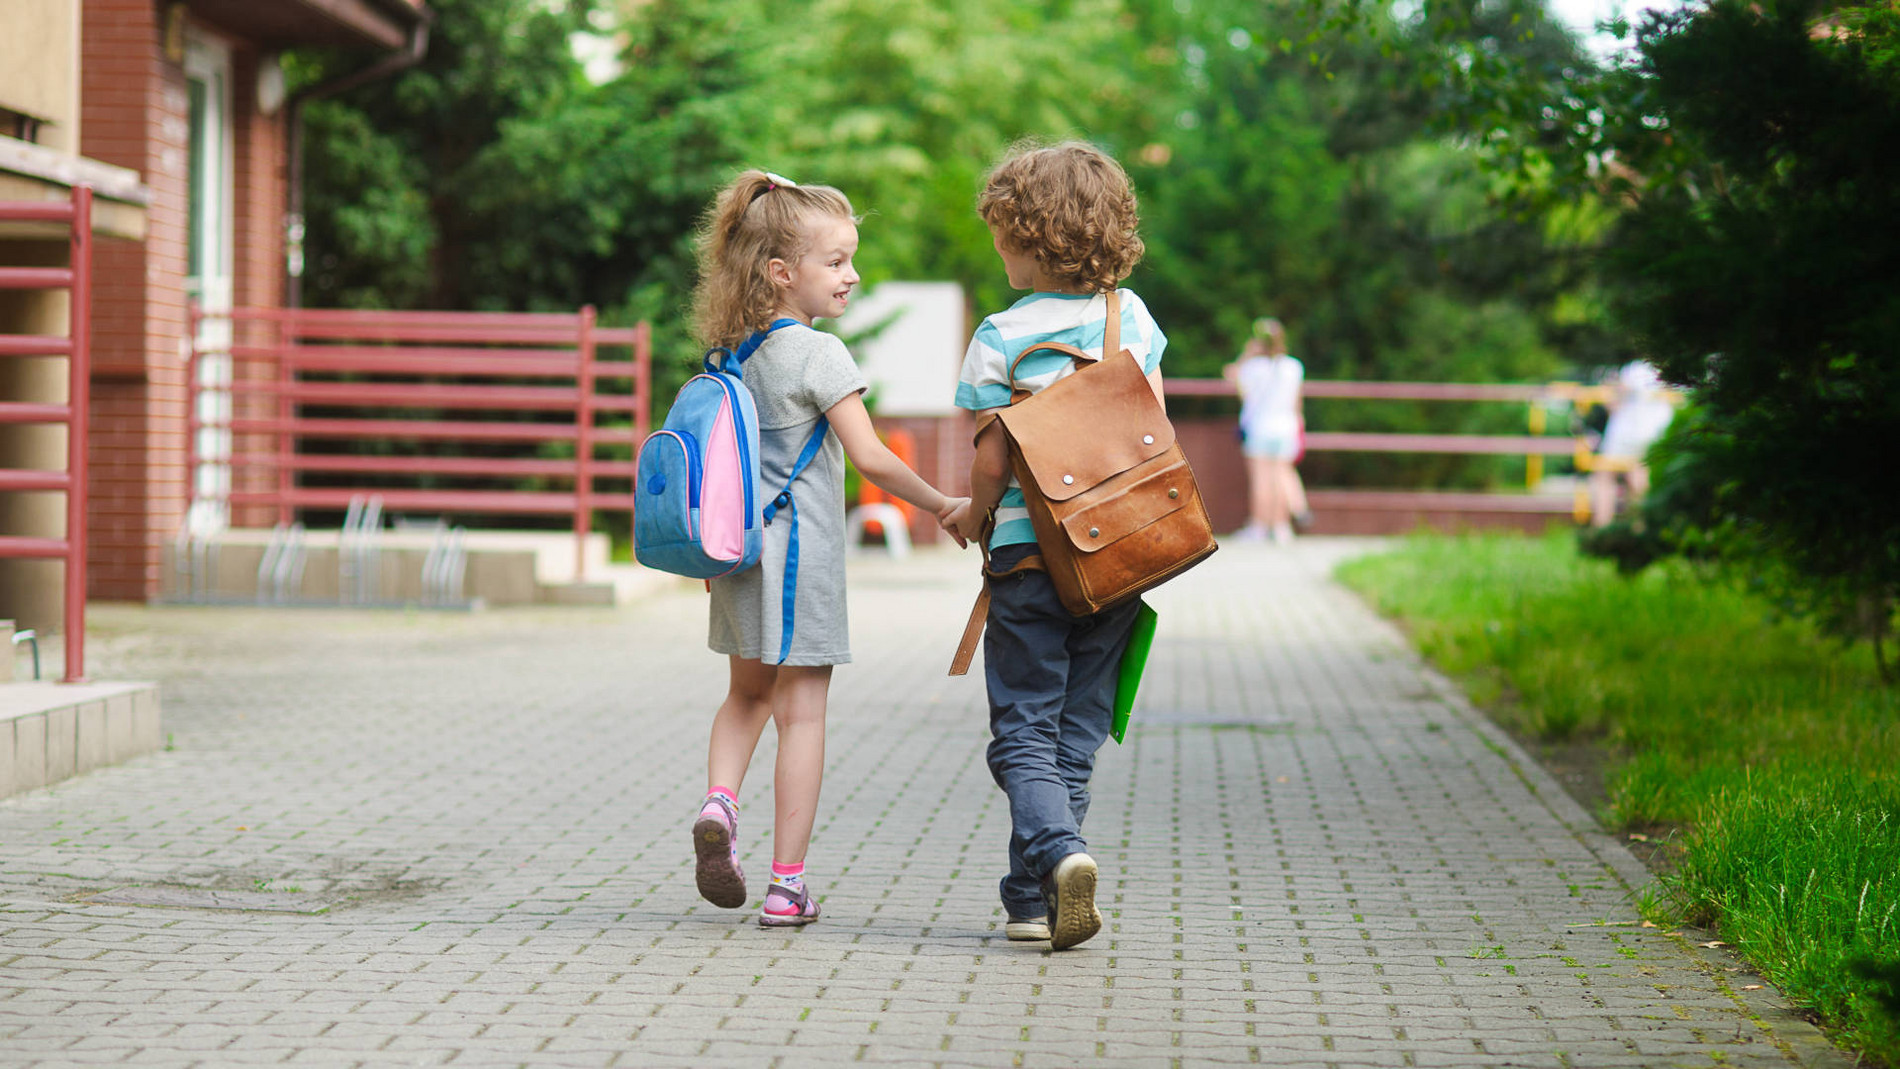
(954, 518)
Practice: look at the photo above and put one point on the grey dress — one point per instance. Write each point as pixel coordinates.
(795, 377)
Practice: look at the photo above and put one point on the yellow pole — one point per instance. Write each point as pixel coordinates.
(1534, 463)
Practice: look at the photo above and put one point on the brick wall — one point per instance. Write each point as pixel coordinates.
(135, 113)
(261, 164)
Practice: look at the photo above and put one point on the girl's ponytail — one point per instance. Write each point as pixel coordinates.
(758, 218)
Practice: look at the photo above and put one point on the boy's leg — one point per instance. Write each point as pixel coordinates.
(1025, 661)
(1095, 654)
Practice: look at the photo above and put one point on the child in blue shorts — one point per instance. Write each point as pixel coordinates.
(1063, 219)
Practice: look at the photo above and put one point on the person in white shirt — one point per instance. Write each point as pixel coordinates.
(1639, 414)
(1272, 431)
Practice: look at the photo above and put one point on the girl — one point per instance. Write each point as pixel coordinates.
(773, 250)
(1269, 383)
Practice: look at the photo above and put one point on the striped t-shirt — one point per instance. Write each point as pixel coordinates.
(1073, 319)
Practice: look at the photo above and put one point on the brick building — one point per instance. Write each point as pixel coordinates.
(188, 96)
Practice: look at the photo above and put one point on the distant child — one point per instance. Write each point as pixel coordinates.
(1063, 220)
(771, 249)
(1269, 380)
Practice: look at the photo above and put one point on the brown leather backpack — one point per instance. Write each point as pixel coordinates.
(1110, 494)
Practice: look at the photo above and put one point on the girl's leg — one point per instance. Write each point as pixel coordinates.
(1602, 497)
(1275, 513)
(735, 734)
(798, 708)
(1296, 494)
(740, 721)
(1259, 490)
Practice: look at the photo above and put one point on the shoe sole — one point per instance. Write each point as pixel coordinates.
(1026, 933)
(1075, 918)
(719, 879)
(791, 920)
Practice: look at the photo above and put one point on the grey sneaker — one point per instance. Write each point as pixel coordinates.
(1027, 929)
(1070, 891)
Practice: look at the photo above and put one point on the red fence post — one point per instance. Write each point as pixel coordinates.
(78, 426)
(642, 381)
(584, 444)
(286, 409)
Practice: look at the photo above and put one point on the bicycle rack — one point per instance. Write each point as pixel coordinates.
(444, 567)
(280, 572)
(31, 638)
(359, 551)
(195, 560)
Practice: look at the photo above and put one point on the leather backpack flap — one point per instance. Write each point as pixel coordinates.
(1135, 500)
(1085, 429)
(1132, 533)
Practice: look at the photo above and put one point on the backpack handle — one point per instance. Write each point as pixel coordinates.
(1111, 344)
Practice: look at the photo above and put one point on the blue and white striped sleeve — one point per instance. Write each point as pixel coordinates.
(1149, 331)
(983, 382)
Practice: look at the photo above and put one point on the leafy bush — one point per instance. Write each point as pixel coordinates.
(1758, 263)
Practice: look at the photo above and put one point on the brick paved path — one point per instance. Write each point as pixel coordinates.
(1313, 855)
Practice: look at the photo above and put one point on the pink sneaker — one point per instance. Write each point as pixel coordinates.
(716, 846)
(786, 908)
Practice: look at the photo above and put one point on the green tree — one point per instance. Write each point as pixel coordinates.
(1270, 183)
(1760, 271)
(400, 174)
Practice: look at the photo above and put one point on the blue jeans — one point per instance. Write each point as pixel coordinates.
(1051, 679)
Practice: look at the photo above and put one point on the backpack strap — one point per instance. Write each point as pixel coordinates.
(788, 599)
(980, 612)
(734, 359)
(1111, 344)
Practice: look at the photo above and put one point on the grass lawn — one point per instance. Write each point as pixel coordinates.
(1766, 756)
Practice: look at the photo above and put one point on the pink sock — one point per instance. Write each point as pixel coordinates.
(724, 792)
(790, 877)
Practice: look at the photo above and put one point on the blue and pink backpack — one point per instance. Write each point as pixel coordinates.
(698, 509)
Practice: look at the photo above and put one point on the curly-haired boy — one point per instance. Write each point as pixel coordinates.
(1064, 223)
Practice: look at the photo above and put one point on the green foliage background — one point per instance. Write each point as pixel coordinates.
(1274, 180)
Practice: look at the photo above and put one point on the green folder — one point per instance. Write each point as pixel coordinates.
(1134, 660)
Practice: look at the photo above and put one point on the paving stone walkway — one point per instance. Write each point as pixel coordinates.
(425, 839)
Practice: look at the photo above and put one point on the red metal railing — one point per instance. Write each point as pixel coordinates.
(1533, 446)
(76, 347)
(373, 365)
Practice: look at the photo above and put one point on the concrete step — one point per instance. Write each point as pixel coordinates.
(54, 731)
(502, 568)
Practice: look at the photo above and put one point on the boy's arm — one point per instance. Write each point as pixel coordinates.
(989, 469)
(876, 461)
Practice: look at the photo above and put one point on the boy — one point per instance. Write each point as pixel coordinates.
(1063, 220)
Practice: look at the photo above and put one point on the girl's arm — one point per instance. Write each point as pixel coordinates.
(876, 461)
